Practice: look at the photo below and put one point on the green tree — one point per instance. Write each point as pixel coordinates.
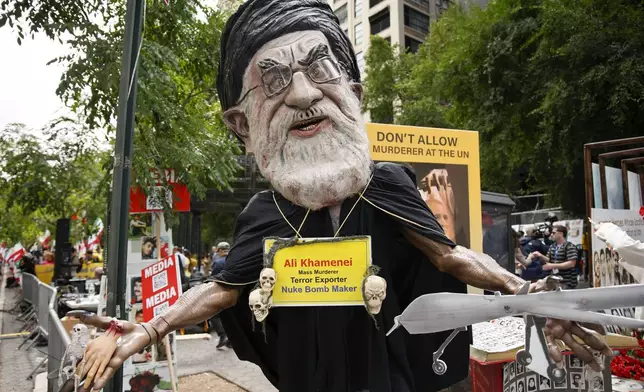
(46, 175)
(389, 89)
(178, 118)
(537, 79)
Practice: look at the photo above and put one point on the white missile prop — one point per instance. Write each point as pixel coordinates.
(432, 313)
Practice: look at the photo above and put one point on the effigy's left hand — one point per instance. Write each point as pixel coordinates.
(565, 331)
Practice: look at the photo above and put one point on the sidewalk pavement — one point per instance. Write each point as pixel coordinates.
(197, 356)
(16, 365)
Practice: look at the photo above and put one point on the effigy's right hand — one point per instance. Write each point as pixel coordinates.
(103, 356)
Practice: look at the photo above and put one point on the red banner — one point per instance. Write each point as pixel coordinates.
(161, 287)
(142, 202)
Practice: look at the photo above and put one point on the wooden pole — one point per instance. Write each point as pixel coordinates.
(625, 165)
(626, 195)
(166, 340)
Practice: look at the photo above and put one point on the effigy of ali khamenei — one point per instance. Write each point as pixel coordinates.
(322, 263)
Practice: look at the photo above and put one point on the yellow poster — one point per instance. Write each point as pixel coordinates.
(45, 272)
(87, 270)
(316, 272)
(446, 163)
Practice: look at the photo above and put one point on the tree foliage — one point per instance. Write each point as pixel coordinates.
(46, 175)
(178, 119)
(536, 78)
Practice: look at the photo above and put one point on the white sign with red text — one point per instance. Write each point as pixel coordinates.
(161, 287)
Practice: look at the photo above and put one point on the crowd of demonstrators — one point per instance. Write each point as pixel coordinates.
(537, 257)
(38, 254)
(43, 254)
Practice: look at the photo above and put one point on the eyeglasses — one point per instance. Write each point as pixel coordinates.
(278, 77)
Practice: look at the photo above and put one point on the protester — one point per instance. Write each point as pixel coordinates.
(28, 264)
(48, 258)
(532, 243)
(219, 258)
(561, 258)
(520, 261)
(183, 262)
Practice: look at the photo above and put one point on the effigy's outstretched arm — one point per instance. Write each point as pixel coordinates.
(473, 268)
(196, 305)
(103, 356)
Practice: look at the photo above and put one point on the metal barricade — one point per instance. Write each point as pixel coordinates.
(29, 295)
(31, 292)
(58, 341)
(46, 296)
(46, 301)
(29, 288)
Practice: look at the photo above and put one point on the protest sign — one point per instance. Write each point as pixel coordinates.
(161, 287)
(317, 272)
(606, 269)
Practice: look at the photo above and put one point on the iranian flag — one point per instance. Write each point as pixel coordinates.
(16, 253)
(95, 240)
(45, 238)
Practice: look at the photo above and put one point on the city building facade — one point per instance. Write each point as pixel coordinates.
(402, 22)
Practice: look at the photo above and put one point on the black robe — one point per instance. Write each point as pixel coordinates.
(340, 349)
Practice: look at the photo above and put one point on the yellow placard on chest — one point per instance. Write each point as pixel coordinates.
(319, 271)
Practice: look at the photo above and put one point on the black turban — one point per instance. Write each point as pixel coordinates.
(257, 22)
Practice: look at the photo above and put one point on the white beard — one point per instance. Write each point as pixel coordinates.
(322, 170)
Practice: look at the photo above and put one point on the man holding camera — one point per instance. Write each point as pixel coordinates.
(561, 259)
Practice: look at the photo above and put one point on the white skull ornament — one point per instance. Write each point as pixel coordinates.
(80, 333)
(257, 305)
(375, 291)
(267, 279)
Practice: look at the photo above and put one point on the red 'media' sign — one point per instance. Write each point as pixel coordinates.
(161, 287)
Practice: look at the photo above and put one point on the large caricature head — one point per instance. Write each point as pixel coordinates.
(289, 84)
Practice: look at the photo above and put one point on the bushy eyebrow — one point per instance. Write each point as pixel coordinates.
(267, 63)
(319, 51)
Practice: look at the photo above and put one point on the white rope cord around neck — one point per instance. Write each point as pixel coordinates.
(297, 231)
